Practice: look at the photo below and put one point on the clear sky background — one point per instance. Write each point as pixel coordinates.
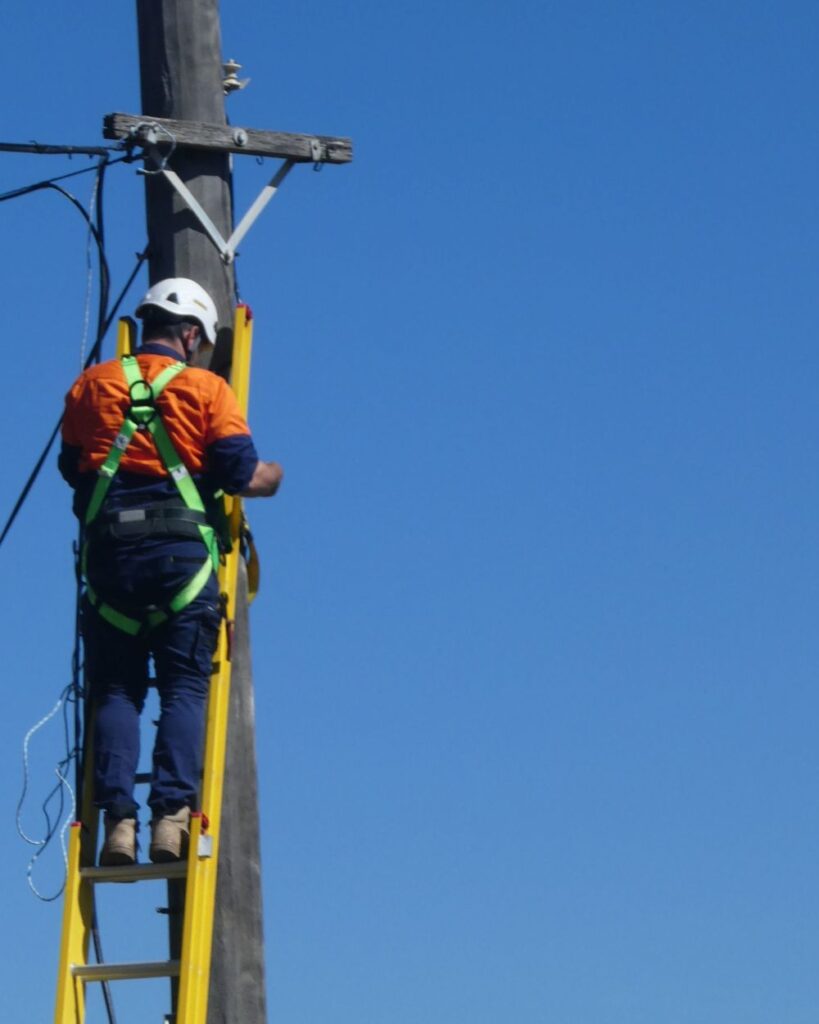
(535, 654)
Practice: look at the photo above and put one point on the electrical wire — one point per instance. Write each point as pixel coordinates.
(42, 148)
(89, 279)
(99, 218)
(38, 465)
(80, 733)
(24, 190)
(96, 230)
(73, 694)
(104, 279)
(62, 791)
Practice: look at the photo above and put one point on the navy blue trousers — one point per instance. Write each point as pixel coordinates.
(117, 669)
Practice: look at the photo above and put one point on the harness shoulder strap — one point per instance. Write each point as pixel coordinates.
(133, 376)
(141, 412)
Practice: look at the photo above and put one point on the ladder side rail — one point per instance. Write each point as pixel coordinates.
(78, 896)
(76, 931)
(203, 854)
(126, 337)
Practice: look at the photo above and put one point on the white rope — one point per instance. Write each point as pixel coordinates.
(62, 783)
(26, 743)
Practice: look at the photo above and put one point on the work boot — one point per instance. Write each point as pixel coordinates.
(169, 836)
(120, 845)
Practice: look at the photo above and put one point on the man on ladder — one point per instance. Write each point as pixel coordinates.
(149, 442)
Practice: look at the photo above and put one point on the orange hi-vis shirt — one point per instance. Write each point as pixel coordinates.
(197, 407)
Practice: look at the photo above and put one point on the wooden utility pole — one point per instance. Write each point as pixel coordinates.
(181, 77)
(183, 128)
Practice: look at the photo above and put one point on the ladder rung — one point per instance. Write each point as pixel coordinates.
(124, 972)
(136, 872)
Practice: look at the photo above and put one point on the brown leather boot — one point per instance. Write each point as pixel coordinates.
(169, 836)
(120, 845)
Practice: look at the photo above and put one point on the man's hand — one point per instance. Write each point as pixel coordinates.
(265, 480)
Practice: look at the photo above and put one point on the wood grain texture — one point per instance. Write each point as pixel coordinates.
(237, 976)
(181, 81)
(230, 139)
(181, 78)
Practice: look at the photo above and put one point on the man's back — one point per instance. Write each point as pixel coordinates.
(200, 414)
(197, 407)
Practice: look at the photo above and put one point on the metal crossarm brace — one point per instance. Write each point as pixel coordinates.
(227, 249)
(261, 201)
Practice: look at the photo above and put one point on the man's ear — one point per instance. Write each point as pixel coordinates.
(192, 339)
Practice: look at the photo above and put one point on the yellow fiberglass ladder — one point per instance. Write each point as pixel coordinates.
(196, 877)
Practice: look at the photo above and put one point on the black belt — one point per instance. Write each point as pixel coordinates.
(132, 523)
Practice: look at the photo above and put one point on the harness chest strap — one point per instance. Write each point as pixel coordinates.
(143, 414)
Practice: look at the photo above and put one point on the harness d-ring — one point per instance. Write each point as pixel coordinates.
(142, 409)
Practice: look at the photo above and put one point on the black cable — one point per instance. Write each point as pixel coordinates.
(76, 659)
(91, 358)
(25, 190)
(104, 288)
(30, 482)
(94, 355)
(77, 668)
(75, 692)
(49, 150)
(95, 232)
(106, 985)
(103, 262)
(100, 225)
(80, 692)
(98, 232)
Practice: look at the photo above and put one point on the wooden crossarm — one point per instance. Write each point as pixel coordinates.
(228, 139)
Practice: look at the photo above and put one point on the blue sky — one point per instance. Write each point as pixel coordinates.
(535, 655)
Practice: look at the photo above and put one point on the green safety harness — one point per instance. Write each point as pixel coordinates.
(143, 415)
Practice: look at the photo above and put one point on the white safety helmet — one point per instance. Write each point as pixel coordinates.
(183, 298)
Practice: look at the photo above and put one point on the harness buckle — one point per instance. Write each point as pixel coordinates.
(142, 409)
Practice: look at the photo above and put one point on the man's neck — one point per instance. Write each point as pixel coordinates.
(172, 344)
